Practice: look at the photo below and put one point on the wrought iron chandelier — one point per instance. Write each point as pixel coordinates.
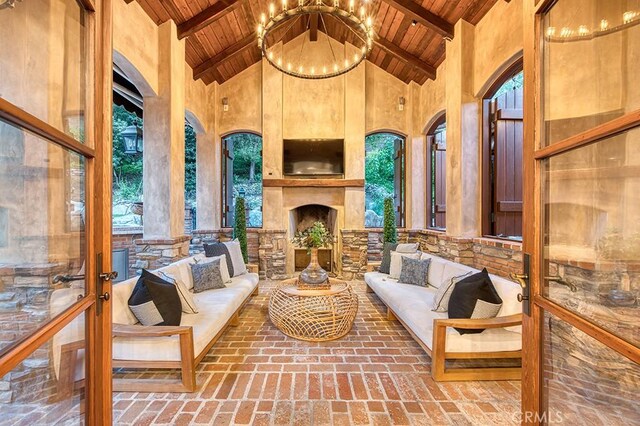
(273, 28)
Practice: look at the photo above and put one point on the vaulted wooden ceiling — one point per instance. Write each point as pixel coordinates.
(409, 33)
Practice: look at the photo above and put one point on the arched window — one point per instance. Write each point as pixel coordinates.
(437, 174)
(384, 177)
(502, 156)
(242, 177)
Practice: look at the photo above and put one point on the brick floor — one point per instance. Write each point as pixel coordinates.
(377, 375)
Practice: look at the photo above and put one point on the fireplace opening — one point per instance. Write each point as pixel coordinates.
(302, 218)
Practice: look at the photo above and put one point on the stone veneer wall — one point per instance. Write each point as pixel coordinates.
(272, 254)
(25, 293)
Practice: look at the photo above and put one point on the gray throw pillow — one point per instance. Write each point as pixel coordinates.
(385, 265)
(206, 276)
(414, 271)
(441, 301)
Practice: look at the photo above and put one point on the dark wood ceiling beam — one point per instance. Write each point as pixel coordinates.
(206, 17)
(422, 16)
(313, 27)
(228, 53)
(406, 57)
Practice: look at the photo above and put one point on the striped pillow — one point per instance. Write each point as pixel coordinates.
(231, 250)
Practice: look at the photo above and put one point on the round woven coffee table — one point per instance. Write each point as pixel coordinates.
(313, 315)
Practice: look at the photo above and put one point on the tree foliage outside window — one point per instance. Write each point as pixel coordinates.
(247, 174)
(379, 175)
(127, 169)
(515, 82)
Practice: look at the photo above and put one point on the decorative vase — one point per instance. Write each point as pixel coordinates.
(314, 274)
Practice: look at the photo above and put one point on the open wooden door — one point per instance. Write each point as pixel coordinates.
(227, 183)
(399, 180)
(581, 345)
(55, 212)
(506, 146)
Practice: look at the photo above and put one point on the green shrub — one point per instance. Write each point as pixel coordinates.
(390, 234)
(240, 227)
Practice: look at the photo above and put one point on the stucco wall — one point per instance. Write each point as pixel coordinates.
(383, 92)
(244, 94)
(498, 37)
(135, 36)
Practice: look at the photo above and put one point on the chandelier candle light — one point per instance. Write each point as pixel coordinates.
(274, 27)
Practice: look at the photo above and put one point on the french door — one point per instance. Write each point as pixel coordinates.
(55, 198)
(581, 349)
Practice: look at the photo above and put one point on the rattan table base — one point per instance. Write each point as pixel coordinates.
(313, 315)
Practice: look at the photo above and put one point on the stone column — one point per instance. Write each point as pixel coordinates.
(163, 165)
(207, 182)
(354, 134)
(463, 180)
(164, 117)
(416, 163)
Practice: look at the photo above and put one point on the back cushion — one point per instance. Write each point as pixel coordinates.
(120, 293)
(436, 271)
(508, 292)
(452, 269)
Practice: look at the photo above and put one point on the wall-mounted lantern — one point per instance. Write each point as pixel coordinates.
(133, 142)
(225, 104)
(401, 102)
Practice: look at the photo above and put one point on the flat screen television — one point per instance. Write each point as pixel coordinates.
(313, 158)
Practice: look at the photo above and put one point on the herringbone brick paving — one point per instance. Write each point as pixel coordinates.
(376, 375)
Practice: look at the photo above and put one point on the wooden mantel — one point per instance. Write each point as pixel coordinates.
(314, 183)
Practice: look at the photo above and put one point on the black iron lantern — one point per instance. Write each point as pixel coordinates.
(132, 137)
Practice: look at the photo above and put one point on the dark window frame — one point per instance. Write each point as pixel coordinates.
(401, 204)
(226, 199)
(431, 177)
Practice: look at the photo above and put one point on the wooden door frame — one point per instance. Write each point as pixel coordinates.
(97, 154)
(532, 352)
(437, 120)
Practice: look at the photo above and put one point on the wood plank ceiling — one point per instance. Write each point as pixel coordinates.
(221, 33)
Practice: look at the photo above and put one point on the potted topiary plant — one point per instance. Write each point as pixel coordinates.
(240, 227)
(390, 232)
(312, 239)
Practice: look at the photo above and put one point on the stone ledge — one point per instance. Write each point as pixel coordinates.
(159, 241)
(496, 242)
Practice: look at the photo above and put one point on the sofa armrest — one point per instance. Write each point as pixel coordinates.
(373, 266)
(126, 330)
(468, 323)
(252, 268)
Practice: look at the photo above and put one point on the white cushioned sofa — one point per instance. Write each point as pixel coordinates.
(136, 346)
(183, 346)
(412, 305)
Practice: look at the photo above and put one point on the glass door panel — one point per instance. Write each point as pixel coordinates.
(591, 55)
(586, 382)
(47, 387)
(42, 232)
(591, 222)
(43, 62)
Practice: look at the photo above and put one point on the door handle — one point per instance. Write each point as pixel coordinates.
(66, 278)
(523, 280)
(564, 282)
(101, 278)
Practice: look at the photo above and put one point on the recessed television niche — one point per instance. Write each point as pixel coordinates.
(313, 158)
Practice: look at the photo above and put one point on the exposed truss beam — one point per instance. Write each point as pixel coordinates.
(228, 53)
(206, 17)
(406, 57)
(313, 27)
(421, 15)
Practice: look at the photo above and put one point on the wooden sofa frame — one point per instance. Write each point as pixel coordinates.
(439, 356)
